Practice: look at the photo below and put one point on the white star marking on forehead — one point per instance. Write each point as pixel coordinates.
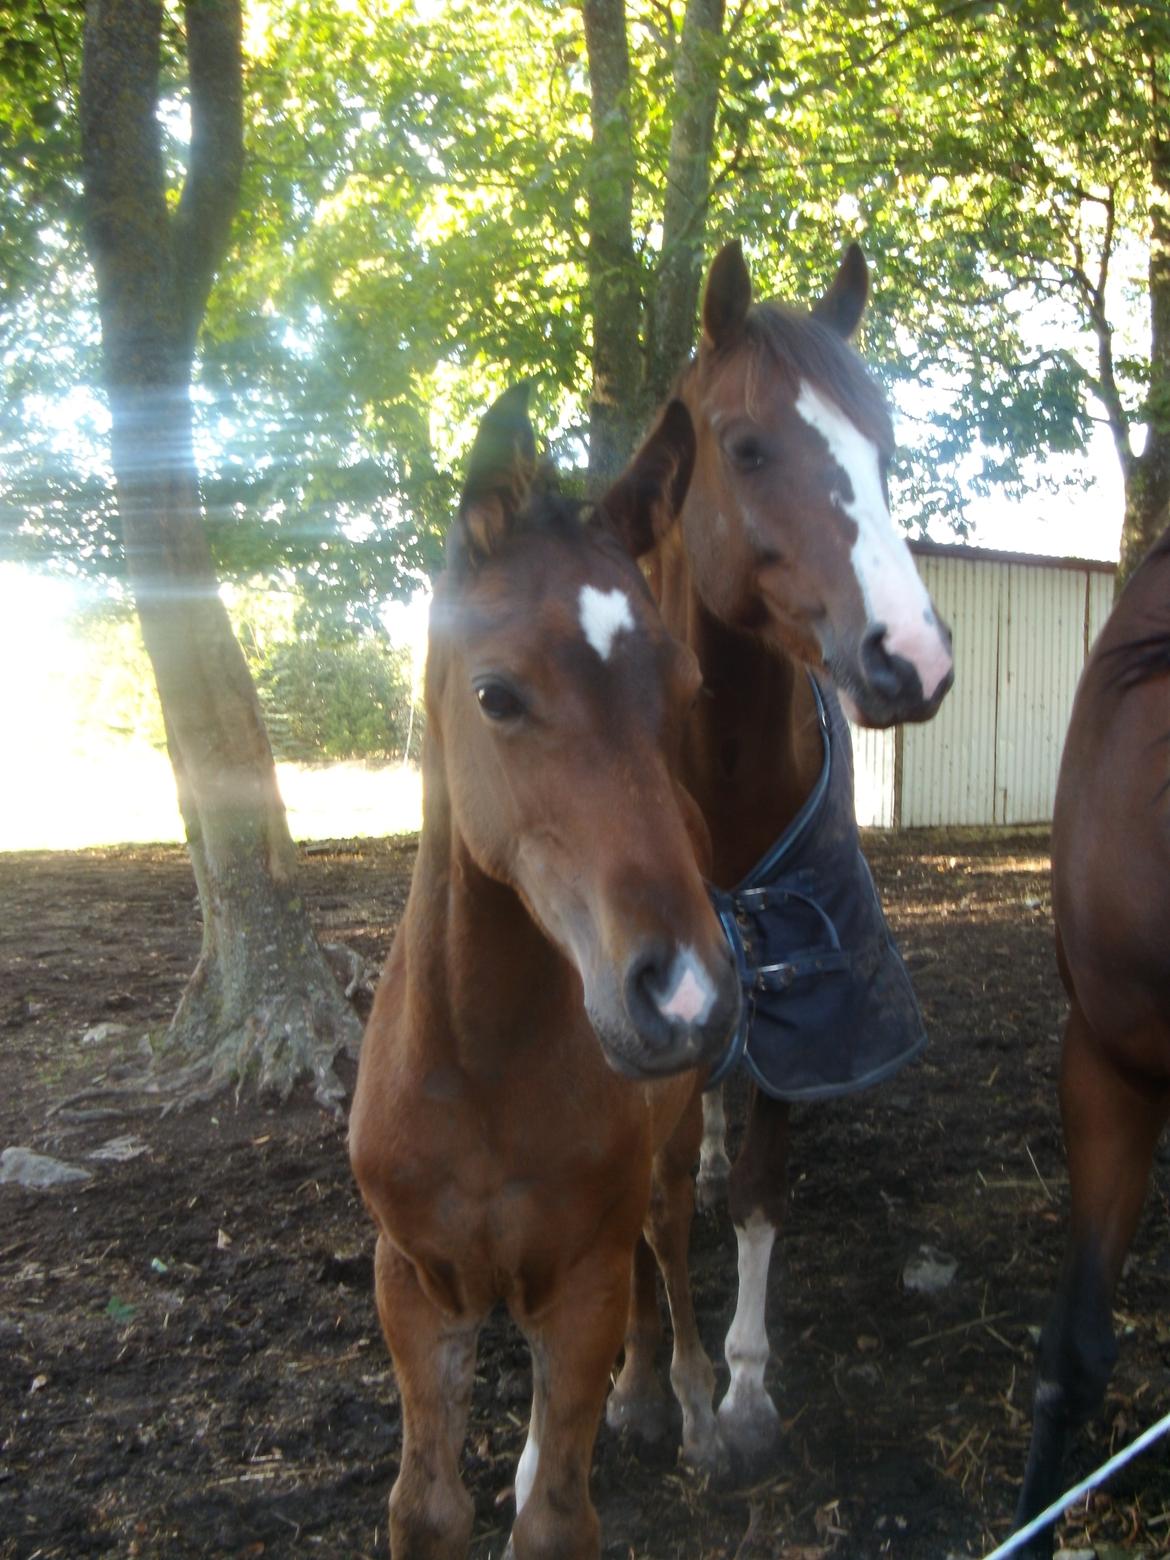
(604, 613)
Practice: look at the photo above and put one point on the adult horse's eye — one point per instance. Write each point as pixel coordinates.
(497, 700)
(747, 452)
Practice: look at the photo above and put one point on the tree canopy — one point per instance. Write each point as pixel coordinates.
(414, 232)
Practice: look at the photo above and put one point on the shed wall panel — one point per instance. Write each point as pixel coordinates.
(1100, 605)
(874, 772)
(1041, 639)
(1022, 628)
(948, 765)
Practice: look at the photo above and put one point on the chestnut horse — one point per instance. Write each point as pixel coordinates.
(558, 934)
(784, 557)
(1111, 903)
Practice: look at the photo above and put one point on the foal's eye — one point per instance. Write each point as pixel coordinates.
(497, 701)
(747, 453)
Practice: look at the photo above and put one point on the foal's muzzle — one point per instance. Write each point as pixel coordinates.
(680, 1013)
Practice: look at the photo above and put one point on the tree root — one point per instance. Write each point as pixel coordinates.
(145, 1084)
(284, 1040)
(219, 1043)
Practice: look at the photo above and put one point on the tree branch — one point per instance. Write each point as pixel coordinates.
(698, 70)
(211, 190)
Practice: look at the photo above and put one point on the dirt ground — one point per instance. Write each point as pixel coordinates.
(189, 1358)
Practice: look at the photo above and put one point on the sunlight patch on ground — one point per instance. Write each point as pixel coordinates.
(122, 793)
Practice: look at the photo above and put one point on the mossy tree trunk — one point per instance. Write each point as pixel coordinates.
(1146, 472)
(1147, 476)
(643, 326)
(263, 1003)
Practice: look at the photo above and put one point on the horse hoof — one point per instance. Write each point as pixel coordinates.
(650, 1419)
(711, 1185)
(709, 1457)
(751, 1430)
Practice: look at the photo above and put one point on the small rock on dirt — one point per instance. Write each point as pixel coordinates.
(21, 1167)
(929, 1271)
(120, 1149)
(100, 1033)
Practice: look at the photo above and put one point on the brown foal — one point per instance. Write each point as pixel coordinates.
(557, 936)
(1111, 902)
(783, 557)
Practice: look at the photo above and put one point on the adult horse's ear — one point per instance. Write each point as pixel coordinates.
(646, 499)
(727, 297)
(843, 305)
(499, 475)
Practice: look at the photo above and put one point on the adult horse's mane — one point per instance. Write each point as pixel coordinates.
(804, 347)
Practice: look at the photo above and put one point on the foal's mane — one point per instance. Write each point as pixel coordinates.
(544, 511)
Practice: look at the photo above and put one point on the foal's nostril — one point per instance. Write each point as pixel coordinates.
(644, 987)
(668, 994)
(890, 676)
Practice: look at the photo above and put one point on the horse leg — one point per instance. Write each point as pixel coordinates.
(434, 1361)
(1110, 1130)
(668, 1229)
(638, 1399)
(714, 1165)
(574, 1344)
(748, 1419)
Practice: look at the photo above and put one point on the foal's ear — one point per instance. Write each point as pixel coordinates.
(645, 500)
(728, 295)
(499, 475)
(843, 305)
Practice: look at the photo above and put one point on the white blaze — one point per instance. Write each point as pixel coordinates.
(604, 613)
(890, 586)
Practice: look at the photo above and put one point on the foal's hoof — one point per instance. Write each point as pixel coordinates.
(750, 1428)
(651, 1419)
(712, 1182)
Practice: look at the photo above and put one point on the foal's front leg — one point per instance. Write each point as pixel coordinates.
(431, 1513)
(574, 1343)
(639, 1400)
(668, 1229)
(748, 1419)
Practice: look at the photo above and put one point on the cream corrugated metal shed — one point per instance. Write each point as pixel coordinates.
(1022, 628)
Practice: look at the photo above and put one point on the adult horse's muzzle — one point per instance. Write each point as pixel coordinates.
(677, 1014)
(885, 682)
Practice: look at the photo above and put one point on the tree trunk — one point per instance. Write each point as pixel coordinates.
(614, 293)
(1147, 476)
(697, 76)
(262, 1003)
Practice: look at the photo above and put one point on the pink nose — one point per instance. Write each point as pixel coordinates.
(907, 671)
(927, 647)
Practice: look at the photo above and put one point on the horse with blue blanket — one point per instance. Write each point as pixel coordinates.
(786, 575)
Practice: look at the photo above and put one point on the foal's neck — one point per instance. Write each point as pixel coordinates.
(485, 983)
